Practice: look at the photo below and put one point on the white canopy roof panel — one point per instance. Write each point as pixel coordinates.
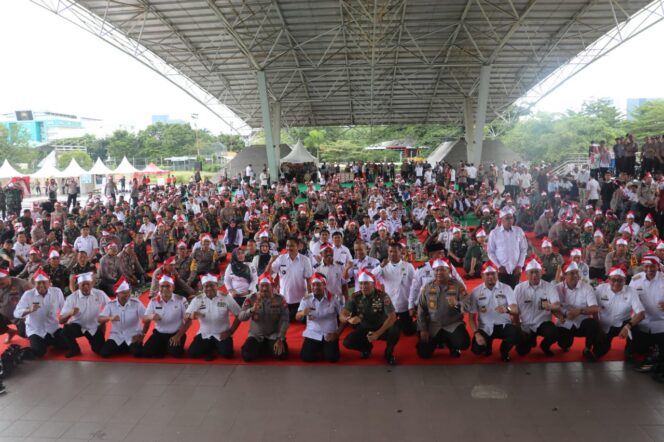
(125, 168)
(99, 168)
(48, 170)
(74, 170)
(298, 155)
(7, 171)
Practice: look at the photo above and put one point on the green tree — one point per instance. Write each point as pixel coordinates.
(647, 119)
(82, 158)
(122, 143)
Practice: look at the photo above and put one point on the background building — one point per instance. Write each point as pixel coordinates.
(42, 127)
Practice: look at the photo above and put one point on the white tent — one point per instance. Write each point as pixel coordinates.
(299, 155)
(74, 170)
(100, 168)
(125, 168)
(47, 171)
(7, 171)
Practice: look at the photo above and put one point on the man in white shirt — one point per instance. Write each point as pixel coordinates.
(125, 315)
(22, 249)
(592, 190)
(147, 228)
(649, 286)
(490, 310)
(40, 307)
(212, 310)
(335, 282)
(620, 310)
(87, 243)
(321, 309)
(507, 249)
(361, 261)
(293, 270)
(577, 305)
(341, 253)
(367, 230)
(167, 311)
(397, 277)
(80, 316)
(536, 299)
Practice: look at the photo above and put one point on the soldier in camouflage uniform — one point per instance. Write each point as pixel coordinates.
(551, 262)
(160, 243)
(440, 314)
(132, 268)
(11, 290)
(13, 199)
(110, 269)
(71, 231)
(203, 260)
(620, 256)
(58, 273)
(183, 262)
(595, 256)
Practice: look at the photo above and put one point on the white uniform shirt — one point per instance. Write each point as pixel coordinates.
(484, 301)
(334, 278)
(635, 228)
(131, 315)
(507, 249)
(45, 320)
(89, 307)
(293, 274)
(582, 296)
(240, 284)
(23, 251)
(366, 232)
(171, 312)
(592, 189)
(368, 263)
(341, 255)
(616, 308)
(396, 279)
(529, 299)
(651, 295)
(323, 315)
(86, 243)
(215, 321)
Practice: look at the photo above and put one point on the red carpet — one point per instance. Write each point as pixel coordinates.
(405, 350)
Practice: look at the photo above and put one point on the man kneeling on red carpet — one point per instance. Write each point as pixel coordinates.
(321, 308)
(269, 318)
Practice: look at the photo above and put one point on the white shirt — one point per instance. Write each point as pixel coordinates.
(396, 279)
(171, 312)
(582, 296)
(508, 249)
(131, 315)
(616, 308)
(89, 307)
(472, 172)
(45, 320)
(240, 284)
(323, 315)
(341, 255)
(529, 299)
(651, 295)
(215, 322)
(593, 189)
(635, 228)
(22, 250)
(484, 301)
(334, 278)
(293, 274)
(86, 243)
(147, 229)
(366, 232)
(368, 263)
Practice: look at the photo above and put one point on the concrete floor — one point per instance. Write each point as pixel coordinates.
(49, 400)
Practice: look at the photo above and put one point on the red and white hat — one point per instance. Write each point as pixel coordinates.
(456, 230)
(122, 285)
(621, 242)
(439, 262)
(366, 276)
(570, 267)
(650, 259)
(84, 277)
(318, 277)
(65, 243)
(206, 237)
(181, 244)
(209, 278)
(53, 253)
(533, 263)
(546, 242)
(40, 275)
(598, 233)
(648, 218)
(576, 252)
(381, 226)
(630, 215)
(34, 251)
(480, 233)
(265, 278)
(489, 267)
(652, 239)
(587, 223)
(660, 245)
(170, 260)
(165, 279)
(617, 271)
(4, 272)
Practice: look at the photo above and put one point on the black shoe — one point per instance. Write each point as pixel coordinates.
(72, 353)
(455, 353)
(389, 358)
(505, 357)
(565, 349)
(209, 357)
(547, 351)
(588, 354)
(3, 390)
(365, 354)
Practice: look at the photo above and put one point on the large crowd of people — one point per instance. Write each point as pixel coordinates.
(550, 257)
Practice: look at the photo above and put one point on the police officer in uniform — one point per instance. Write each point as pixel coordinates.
(203, 259)
(125, 315)
(373, 315)
(620, 310)
(268, 312)
(536, 300)
(490, 309)
(11, 290)
(40, 307)
(212, 310)
(440, 314)
(167, 311)
(57, 273)
(320, 308)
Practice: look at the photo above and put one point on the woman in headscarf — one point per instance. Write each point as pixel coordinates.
(240, 277)
(233, 236)
(262, 259)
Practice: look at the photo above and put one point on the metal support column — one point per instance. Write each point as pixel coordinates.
(468, 121)
(272, 162)
(475, 148)
(275, 113)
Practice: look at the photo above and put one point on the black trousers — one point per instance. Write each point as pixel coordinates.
(106, 285)
(158, 346)
(39, 345)
(508, 333)
(597, 273)
(71, 200)
(643, 341)
(313, 350)
(509, 279)
(589, 329)
(201, 347)
(528, 340)
(254, 349)
(406, 324)
(357, 339)
(458, 340)
(72, 331)
(111, 348)
(604, 340)
(292, 311)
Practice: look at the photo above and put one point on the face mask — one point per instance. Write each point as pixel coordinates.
(317, 235)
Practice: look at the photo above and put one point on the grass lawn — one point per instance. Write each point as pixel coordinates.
(184, 175)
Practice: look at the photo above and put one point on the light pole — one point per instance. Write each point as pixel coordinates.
(198, 150)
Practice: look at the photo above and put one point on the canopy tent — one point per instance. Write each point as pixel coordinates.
(125, 168)
(100, 168)
(74, 170)
(7, 171)
(299, 155)
(153, 169)
(48, 170)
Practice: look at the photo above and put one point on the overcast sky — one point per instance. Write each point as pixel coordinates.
(50, 64)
